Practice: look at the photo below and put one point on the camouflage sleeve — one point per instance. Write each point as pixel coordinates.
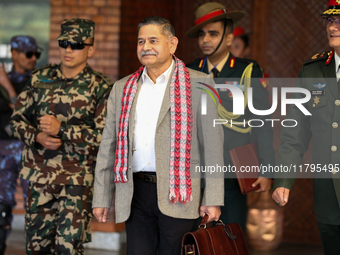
(23, 120)
(85, 139)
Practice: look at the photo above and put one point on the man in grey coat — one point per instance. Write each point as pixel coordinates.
(149, 153)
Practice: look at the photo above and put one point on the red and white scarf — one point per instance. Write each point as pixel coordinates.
(181, 132)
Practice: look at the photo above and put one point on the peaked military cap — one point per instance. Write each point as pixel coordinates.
(76, 30)
(333, 8)
(24, 42)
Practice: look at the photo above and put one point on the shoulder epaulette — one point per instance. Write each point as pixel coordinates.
(107, 79)
(43, 67)
(325, 55)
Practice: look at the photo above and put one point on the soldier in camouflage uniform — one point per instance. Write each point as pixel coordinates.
(24, 51)
(60, 117)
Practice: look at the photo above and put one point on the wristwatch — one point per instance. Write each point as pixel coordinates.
(62, 129)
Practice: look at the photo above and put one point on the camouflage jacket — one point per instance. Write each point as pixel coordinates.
(79, 102)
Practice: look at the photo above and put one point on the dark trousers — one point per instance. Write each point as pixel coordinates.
(235, 205)
(150, 232)
(330, 238)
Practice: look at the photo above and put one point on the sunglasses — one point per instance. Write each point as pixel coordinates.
(74, 46)
(30, 54)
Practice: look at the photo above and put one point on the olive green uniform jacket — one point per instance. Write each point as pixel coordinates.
(317, 74)
(262, 136)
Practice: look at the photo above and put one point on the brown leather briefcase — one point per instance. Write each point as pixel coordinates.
(221, 239)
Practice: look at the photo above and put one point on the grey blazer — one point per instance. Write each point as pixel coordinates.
(204, 133)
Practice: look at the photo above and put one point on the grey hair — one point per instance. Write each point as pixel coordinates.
(167, 28)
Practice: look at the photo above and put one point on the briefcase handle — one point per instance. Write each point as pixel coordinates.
(203, 225)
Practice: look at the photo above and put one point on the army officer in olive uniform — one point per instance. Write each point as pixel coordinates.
(213, 28)
(319, 75)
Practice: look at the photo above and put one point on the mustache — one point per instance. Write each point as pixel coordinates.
(148, 52)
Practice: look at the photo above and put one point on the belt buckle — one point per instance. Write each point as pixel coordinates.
(148, 178)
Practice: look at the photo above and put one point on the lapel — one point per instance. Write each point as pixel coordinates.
(133, 113)
(166, 100)
(329, 73)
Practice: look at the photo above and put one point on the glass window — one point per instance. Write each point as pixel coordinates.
(22, 17)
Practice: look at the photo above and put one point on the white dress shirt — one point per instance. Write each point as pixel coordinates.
(148, 106)
(337, 63)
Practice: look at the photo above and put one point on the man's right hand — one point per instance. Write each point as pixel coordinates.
(49, 142)
(281, 195)
(101, 214)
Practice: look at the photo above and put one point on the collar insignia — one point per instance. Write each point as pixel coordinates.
(201, 63)
(330, 55)
(232, 62)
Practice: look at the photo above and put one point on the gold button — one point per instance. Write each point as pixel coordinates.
(335, 125)
(335, 171)
(334, 148)
(337, 102)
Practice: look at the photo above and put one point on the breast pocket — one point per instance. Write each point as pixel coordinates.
(43, 97)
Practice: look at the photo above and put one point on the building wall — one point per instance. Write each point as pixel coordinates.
(132, 13)
(106, 15)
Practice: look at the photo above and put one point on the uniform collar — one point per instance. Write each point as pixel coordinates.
(163, 77)
(220, 65)
(84, 75)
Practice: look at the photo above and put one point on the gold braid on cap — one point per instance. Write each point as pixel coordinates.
(332, 12)
(224, 114)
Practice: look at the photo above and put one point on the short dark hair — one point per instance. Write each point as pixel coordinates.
(159, 21)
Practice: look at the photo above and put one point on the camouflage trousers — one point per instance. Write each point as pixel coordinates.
(58, 219)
